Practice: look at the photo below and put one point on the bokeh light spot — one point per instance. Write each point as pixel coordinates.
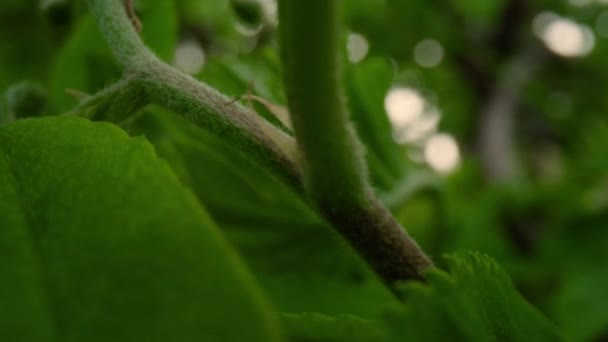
(357, 47)
(189, 57)
(428, 53)
(403, 106)
(565, 37)
(441, 153)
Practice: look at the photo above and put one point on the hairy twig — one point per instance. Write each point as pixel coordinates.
(335, 172)
(156, 82)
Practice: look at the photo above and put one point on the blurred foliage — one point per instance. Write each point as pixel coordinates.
(548, 228)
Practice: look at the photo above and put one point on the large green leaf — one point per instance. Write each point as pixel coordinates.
(100, 242)
(297, 258)
(476, 301)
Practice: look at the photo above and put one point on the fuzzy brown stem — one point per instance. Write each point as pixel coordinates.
(391, 252)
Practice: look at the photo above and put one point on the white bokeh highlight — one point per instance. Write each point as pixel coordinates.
(441, 153)
(357, 47)
(563, 36)
(403, 106)
(428, 53)
(419, 130)
(189, 57)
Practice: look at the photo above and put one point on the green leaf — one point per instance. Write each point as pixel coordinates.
(311, 327)
(298, 259)
(476, 301)
(100, 242)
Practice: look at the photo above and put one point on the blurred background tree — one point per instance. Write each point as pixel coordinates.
(485, 122)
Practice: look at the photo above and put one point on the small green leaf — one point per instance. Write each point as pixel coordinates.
(100, 242)
(476, 301)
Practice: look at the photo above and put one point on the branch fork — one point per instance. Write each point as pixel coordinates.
(327, 160)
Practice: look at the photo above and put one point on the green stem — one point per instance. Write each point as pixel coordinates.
(166, 86)
(119, 32)
(334, 169)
